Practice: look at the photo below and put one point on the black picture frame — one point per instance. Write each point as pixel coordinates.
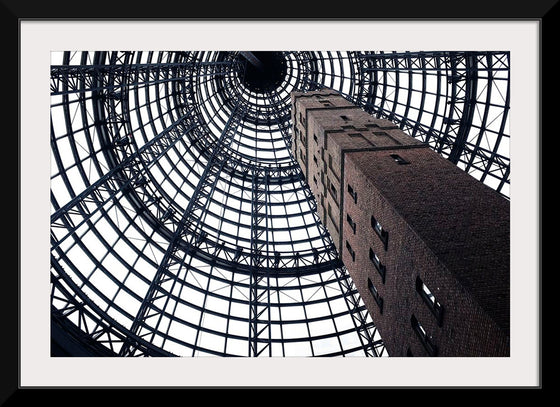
(14, 11)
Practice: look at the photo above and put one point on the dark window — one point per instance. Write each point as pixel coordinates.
(399, 160)
(315, 138)
(430, 300)
(329, 211)
(333, 190)
(345, 118)
(426, 339)
(375, 295)
(381, 133)
(355, 135)
(315, 180)
(382, 233)
(315, 159)
(333, 170)
(351, 251)
(377, 263)
(353, 193)
(351, 222)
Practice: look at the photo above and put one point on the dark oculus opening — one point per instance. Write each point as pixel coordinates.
(265, 70)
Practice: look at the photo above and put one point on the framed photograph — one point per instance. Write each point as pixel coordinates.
(173, 177)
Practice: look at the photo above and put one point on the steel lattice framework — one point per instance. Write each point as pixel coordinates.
(182, 225)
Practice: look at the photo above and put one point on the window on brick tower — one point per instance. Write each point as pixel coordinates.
(425, 339)
(430, 300)
(334, 222)
(376, 225)
(398, 159)
(382, 134)
(351, 222)
(380, 231)
(333, 190)
(353, 193)
(351, 251)
(375, 294)
(381, 269)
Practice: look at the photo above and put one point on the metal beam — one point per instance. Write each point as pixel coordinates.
(249, 56)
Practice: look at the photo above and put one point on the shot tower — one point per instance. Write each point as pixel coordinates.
(426, 244)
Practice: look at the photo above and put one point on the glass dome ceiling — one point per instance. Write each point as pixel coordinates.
(180, 222)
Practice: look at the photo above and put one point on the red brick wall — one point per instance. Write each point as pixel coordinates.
(444, 226)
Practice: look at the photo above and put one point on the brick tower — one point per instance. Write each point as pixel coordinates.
(426, 244)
